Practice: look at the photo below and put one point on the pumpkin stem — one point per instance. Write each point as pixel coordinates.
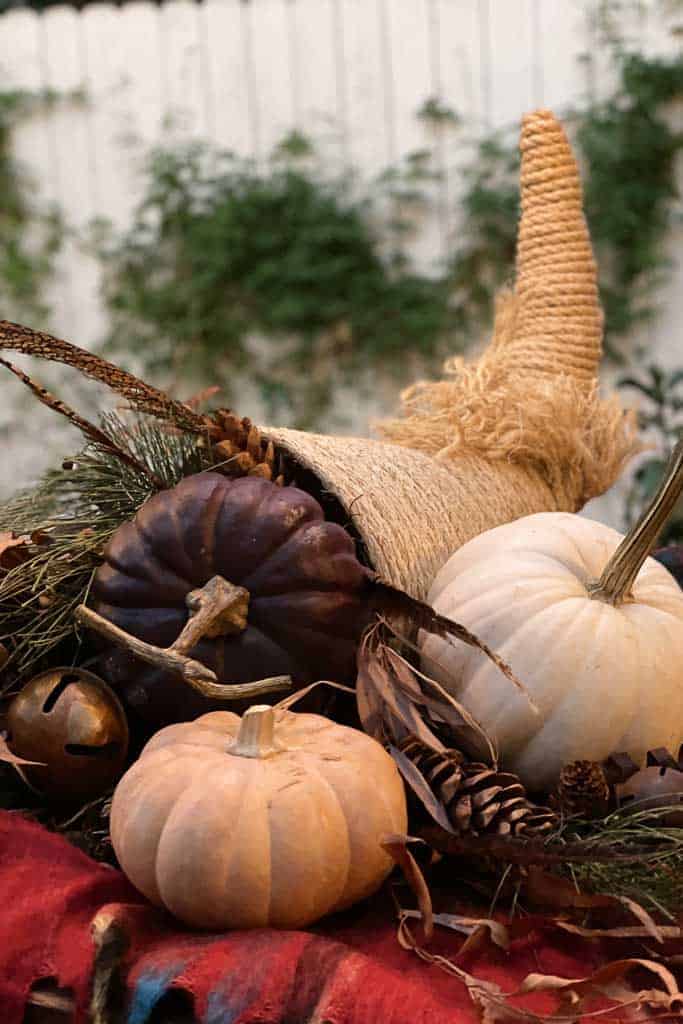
(256, 736)
(196, 675)
(614, 586)
(217, 609)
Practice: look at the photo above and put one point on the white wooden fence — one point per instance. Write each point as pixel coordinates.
(351, 74)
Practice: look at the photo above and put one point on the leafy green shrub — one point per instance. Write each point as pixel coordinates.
(24, 266)
(630, 151)
(220, 251)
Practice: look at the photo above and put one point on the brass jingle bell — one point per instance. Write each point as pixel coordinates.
(74, 724)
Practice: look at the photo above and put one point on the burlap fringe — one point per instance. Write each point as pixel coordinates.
(558, 426)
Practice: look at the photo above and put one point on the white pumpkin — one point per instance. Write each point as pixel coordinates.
(604, 676)
(273, 819)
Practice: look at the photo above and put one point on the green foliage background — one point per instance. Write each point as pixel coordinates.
(29, 237)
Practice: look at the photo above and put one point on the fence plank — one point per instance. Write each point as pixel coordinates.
(273, 74)
(408, 31)
(462, 78)
(227, 73)
(20, 68)
(317, 59)
(370, 108)
(512, 62)
(563, 73)
(185, 96)
(113, 133)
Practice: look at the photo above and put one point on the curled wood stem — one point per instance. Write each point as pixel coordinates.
(174, 658)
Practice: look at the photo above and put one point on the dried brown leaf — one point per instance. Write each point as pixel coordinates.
(625, 932)
(485, 995)
(397, 848)
(650, 926)
(468, 925)
(602, 980)
(391, 603)
(382, 677)
(370, 707)
(464, 729)
(421, 788)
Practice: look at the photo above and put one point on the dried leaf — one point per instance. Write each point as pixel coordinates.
(650, 926)
(603, 979)
(421, 788)
(484, 994)
(550, 890)
(370, 707)
(462, 726)
(389, 602)
(7, 755)
(468, 925)
(397, 848)
(402, 705)
(626, 932)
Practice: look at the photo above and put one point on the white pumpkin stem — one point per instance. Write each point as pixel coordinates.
(256, 736)
(614, 586)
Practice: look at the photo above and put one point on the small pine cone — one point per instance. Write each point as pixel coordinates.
(583, 789)
(239, 449)
(477, 798)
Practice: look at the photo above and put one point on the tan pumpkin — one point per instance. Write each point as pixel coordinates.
(273, 819)
(589, 624)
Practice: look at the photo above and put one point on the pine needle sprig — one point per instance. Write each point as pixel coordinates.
(654, 872)
(71, 514)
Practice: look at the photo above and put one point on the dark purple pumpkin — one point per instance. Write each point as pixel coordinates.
(306, 586)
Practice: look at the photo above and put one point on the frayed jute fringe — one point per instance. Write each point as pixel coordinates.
(555, 426)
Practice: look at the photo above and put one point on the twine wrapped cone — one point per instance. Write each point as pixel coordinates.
(521, 430)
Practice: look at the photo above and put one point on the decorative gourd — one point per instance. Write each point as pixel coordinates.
(275, 819)
(302, 589)
(590, 625)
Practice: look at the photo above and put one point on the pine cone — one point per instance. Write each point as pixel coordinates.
(477, 798)
(240, 450)
(583, 789)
